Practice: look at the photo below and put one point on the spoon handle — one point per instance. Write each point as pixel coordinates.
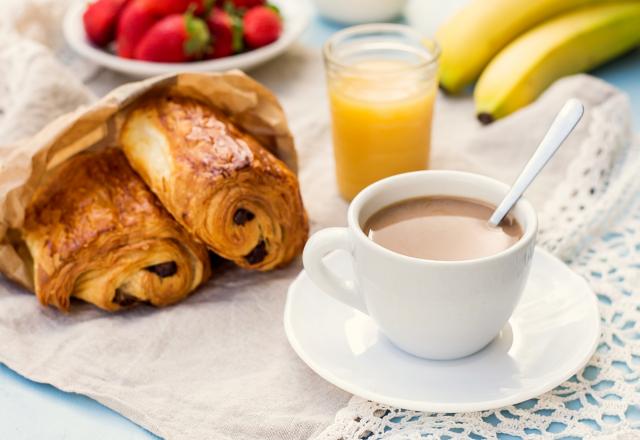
(562, 125)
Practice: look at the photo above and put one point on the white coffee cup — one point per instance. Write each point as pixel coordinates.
(432, 309)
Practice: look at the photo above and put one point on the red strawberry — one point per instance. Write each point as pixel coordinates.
(174, 39)
(169, 7)
(247, 3)
(135, 21)
(226, 33)
(100, 19)
(262, 26)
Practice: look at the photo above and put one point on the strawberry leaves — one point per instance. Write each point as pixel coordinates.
(208, 6)
(198, 37)
(237, 27)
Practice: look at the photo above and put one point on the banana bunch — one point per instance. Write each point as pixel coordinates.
(516, 48)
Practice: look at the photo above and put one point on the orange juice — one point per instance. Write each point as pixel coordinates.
(381, 112)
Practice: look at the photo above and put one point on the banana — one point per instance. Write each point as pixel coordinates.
(482, 28)
(574, 42)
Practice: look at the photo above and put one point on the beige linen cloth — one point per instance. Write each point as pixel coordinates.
(218, 365)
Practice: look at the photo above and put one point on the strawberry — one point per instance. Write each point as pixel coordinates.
(262, 26)
(169, 7)
(174, 39)
(226, 33)
(136, 19)
(100, 20)
(247, 4)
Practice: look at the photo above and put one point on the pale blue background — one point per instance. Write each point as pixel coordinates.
(30, 410)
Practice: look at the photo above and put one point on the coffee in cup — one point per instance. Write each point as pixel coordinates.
(441, 228)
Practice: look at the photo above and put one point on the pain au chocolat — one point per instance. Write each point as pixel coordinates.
(95, 232)
(217, 181)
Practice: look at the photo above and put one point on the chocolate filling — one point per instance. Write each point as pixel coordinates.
(124, 299)
(257, 254)
(241, 216)
(163, 270)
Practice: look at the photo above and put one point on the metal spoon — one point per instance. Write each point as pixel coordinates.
(561, 127)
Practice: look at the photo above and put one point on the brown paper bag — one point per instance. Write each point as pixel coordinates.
(23, 164)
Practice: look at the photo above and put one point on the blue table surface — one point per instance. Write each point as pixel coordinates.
(30, 410)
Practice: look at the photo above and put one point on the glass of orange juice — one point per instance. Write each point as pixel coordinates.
(382, 82)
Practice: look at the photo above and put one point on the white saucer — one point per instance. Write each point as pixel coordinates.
(552, 335)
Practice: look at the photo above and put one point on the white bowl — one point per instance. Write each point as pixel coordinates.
(295, 13)
(360, 11)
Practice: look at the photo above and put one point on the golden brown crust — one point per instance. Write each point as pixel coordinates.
(96, 232)
(217, 181)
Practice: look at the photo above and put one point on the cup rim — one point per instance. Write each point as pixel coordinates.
(370, 27)
(363, 196)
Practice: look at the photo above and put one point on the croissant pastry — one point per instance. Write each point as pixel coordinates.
(96, 232)
(218, 182)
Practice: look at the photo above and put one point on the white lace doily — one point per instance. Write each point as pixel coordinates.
(603, 400)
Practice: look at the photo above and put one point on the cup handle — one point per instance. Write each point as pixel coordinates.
(320, 245)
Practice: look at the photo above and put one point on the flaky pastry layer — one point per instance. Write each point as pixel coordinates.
(96, 232)
(218, 182)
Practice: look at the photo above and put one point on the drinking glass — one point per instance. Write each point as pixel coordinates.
(382, 82)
